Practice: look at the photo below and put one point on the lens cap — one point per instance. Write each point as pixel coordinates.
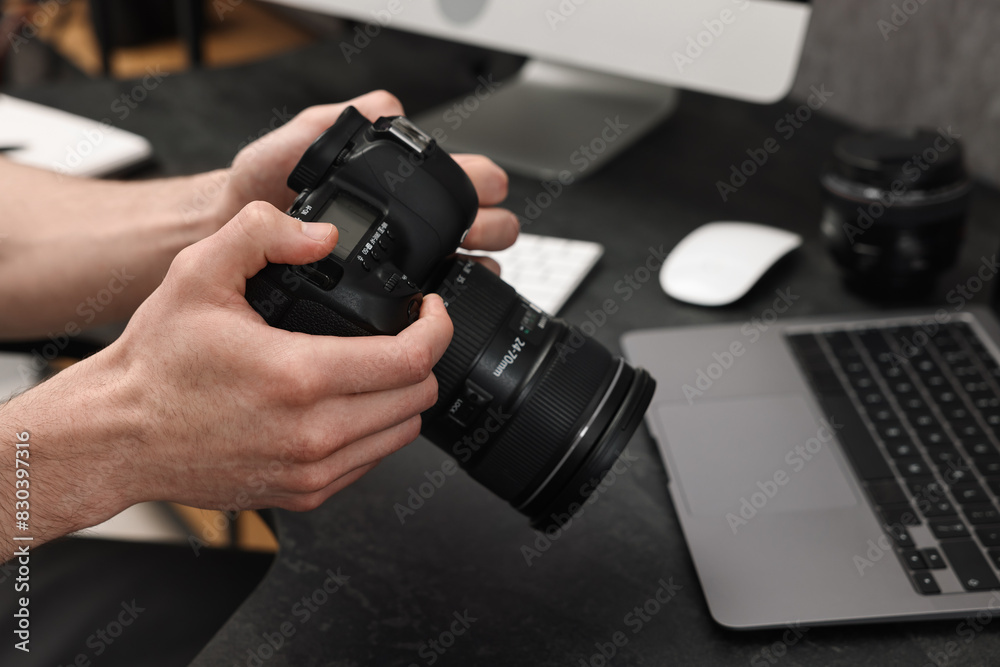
(920, 159)
(323, 152)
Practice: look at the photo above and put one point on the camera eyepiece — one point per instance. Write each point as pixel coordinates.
(322, 154)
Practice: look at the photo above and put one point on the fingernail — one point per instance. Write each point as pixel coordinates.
(317, 231)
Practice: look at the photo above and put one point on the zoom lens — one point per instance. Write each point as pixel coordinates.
(529, 406)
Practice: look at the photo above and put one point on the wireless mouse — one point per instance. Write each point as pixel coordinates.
(719, 262)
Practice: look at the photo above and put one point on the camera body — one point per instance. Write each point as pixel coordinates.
(529, 406)
(401, 206)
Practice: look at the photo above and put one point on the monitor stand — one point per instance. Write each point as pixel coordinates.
(550, 119)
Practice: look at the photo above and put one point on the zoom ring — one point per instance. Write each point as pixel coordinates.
(477, 302)
(546, 424)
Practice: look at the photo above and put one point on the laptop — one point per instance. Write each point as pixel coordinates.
(47, 138)
(842, 470)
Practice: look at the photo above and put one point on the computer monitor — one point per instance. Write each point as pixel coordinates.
(600, 74)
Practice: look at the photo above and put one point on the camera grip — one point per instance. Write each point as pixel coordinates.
(284, 311)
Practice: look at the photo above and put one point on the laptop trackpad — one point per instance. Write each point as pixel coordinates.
(770, 452)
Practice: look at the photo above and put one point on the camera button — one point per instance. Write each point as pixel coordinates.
(374, 254)
(413, 310)
(382, 244)
(364, 264)
(391, 283)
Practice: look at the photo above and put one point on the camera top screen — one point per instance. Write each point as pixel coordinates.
(352, 217)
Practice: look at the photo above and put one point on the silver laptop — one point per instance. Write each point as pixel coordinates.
(834, 470)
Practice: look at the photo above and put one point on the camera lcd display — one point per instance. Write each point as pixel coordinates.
(352, 217)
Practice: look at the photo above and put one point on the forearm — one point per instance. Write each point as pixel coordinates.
(77, 252)
(78, 468)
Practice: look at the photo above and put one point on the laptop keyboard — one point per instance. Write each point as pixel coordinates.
(919, 407)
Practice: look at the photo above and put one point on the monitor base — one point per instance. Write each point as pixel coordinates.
(550, 121)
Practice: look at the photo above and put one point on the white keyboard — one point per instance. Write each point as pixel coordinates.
(546, 270)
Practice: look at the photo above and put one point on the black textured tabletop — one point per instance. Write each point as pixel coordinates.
(418, 565)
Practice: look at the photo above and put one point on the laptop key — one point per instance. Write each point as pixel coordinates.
(947, 529)
(856, 440)
(981, 514)
(925, 583)
(912, 467)
(900, 536)
(933, 559)
(970, 565)
(989, 535)
(994, 555)
(989, 467)
(914, 560)
(935, 508)
(900, 515)
(901, 449)
(887, 492)
(969, 493)
(979, 449)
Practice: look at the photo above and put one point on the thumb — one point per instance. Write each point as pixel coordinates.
(260, 234)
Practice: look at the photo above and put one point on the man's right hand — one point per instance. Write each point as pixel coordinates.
(201, 402)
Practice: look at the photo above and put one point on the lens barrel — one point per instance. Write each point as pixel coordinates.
(531, 407)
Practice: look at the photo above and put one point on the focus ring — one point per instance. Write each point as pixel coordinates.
(477, 304)
(546, 424)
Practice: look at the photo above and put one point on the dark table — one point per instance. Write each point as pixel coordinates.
(464, 580)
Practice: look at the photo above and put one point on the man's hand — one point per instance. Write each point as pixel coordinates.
(260, 170)
(89, 233)
(201, 402)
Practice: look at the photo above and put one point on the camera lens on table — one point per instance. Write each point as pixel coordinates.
(895, 210)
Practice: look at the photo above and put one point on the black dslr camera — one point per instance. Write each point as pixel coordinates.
(528, 405)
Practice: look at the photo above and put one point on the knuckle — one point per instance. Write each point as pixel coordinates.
(410, 431)
(515, 226)
(384, 100)
(296, 384)
(418, 361)
(308, 480)
(308, 447)
(255, 215)
(428, 393)
(304, 503)
(186, 263)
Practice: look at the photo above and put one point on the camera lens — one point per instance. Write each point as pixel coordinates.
(533, 409)
(895, 209)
